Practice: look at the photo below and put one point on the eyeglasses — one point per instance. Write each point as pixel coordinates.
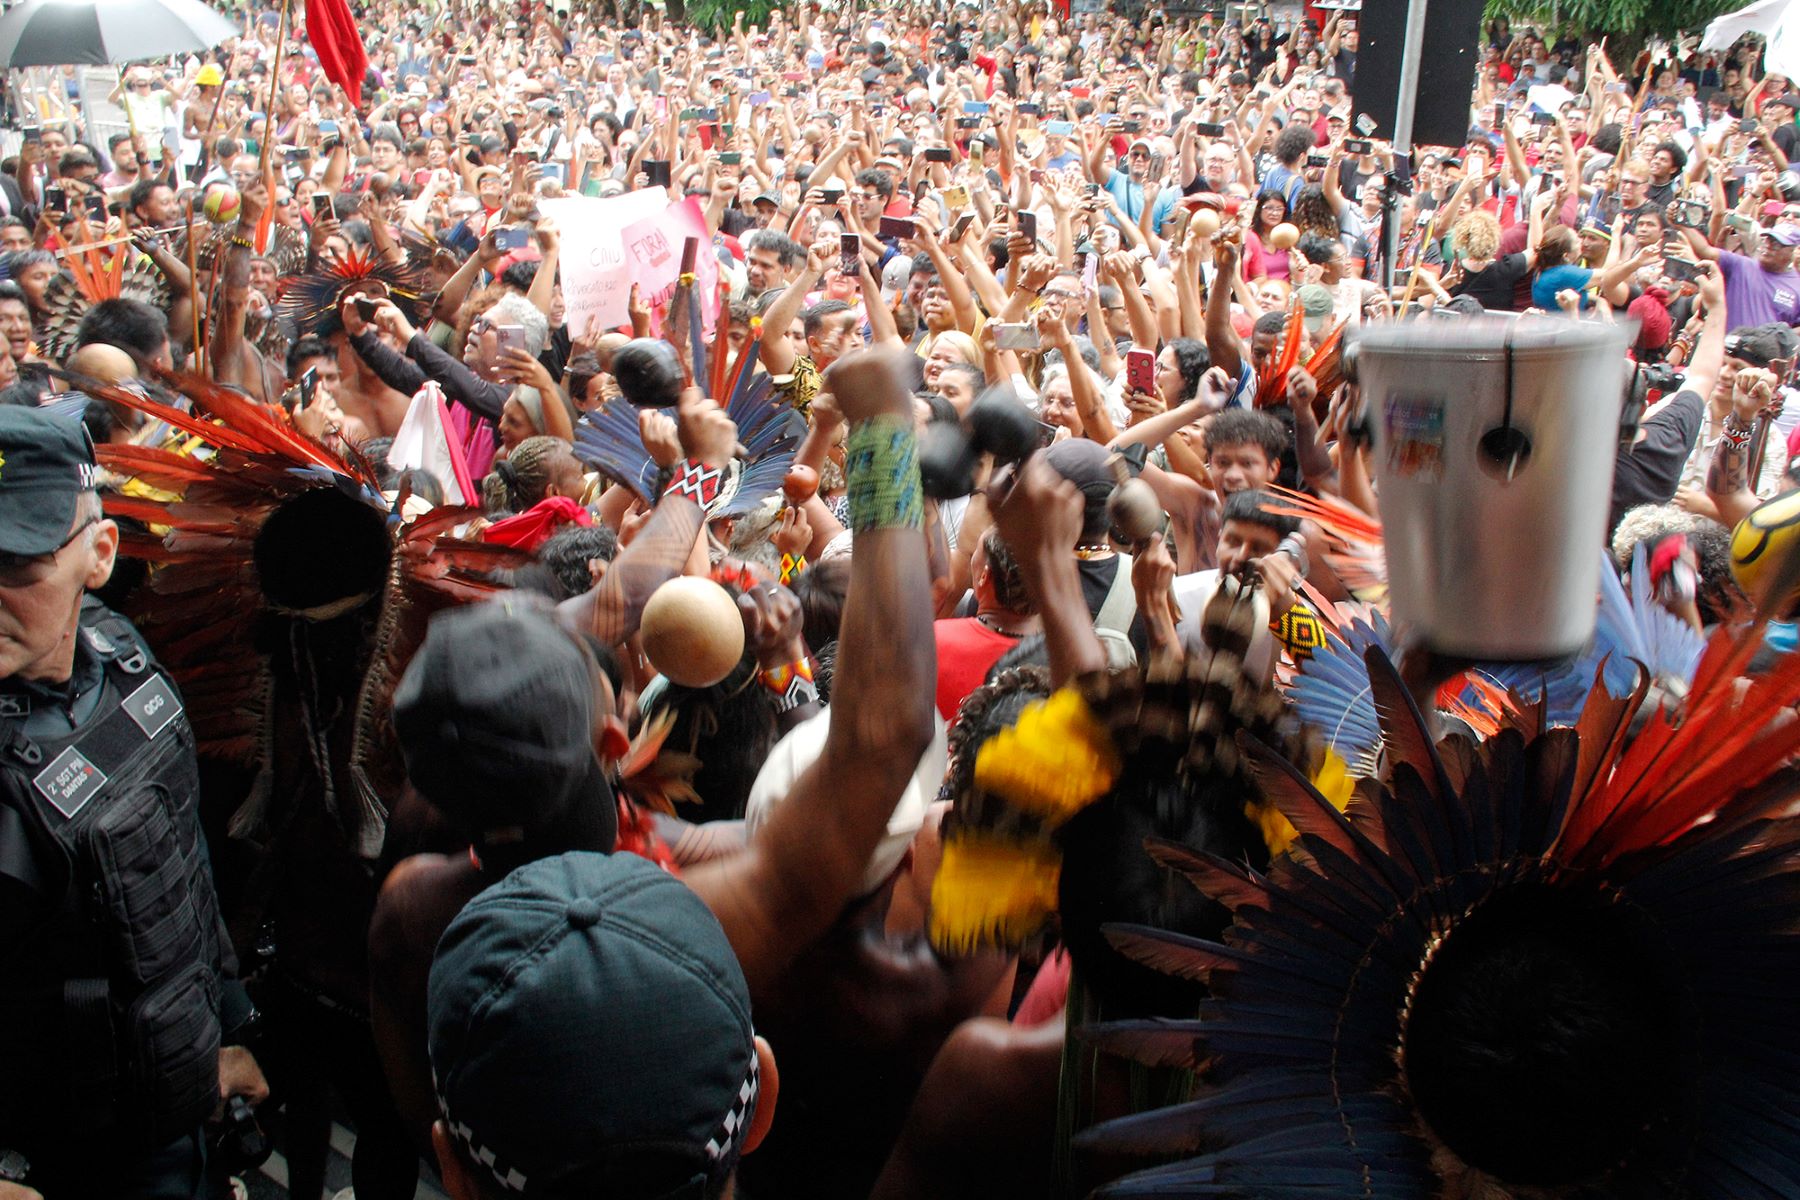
(20, 570)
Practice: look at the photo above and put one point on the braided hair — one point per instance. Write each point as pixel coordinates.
(520, 480)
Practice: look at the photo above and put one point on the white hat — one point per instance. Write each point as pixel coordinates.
(803, 746)
(895, 275)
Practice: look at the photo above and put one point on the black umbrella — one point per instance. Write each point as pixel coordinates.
(55, 33)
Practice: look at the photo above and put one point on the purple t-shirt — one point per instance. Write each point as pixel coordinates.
(1754, 296)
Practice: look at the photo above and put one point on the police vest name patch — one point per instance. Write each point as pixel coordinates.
(70, 781)
(153, 706)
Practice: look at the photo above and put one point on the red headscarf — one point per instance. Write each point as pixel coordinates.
(1651, 310)
(537, 524)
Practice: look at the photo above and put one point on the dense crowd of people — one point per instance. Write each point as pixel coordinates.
(545, 741)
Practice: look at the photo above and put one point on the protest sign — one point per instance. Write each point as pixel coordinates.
(653, 258)
(596, 279)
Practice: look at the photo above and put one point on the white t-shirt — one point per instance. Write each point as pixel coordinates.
(148, 115)
(1192, 592)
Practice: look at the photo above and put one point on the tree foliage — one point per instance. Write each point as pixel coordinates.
(717, 14)
(1635, 20)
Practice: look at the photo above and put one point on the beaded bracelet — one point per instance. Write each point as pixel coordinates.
(881, 466)
(1737, 435)
(792, 684)
(696, 481)
(791, 567)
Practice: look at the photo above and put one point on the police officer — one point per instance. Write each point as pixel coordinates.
(113, 965)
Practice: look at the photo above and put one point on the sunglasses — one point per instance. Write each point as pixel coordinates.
(18, 570)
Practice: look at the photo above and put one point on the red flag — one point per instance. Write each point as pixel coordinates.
(332, 31)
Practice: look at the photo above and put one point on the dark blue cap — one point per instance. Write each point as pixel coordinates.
(589, 1031)
(46, 463)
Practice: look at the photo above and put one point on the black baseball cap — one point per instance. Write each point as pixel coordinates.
(495, 719)
(1085, 464)
(1758, 345)
(46, 463)
(589, 1032)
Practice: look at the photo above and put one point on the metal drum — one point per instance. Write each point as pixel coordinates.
(1494, 447)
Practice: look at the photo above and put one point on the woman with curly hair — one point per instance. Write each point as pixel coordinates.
(1313, 213)
(1481, 270)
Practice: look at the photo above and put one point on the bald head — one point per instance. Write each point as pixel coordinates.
(607, 346)
(108, 364)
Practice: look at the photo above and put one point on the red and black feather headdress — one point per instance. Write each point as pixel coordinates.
(1599, 924)
(265, 523)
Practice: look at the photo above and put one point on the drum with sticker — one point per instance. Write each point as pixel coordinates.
(1494, 447)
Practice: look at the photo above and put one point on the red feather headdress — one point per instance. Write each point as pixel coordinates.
(266, 523)
(1553, 960)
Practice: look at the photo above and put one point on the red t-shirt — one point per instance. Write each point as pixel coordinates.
(966, 651)
(1505, 209)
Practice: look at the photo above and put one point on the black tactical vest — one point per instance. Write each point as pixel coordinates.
(109, 943)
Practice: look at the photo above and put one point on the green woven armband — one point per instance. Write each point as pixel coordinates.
(881, 464)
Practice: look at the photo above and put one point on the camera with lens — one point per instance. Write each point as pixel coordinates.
(238, 1144)
(1661, 377)
(1689, 214)
(1646, 378)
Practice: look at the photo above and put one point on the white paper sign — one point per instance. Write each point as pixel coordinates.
(596, 276)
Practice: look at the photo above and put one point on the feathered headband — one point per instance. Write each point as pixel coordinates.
(315, 296)
(1546, 964)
